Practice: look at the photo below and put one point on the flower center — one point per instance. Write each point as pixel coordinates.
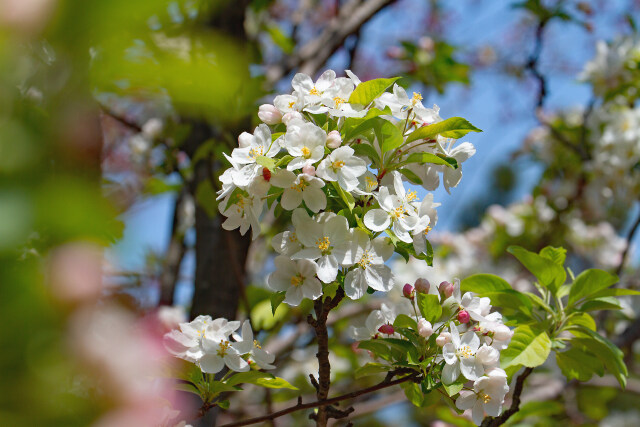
(485, 398)
(314, 91)
(411, 196)
(240, 204)
(293, 238)
(427, 230)
(464, 351)
(398, 213)
(365, 261)
(416, 98)
(323, 243)
(256, 151)
(299, 187)
(256, 344)
(224, 346)
(371, 183)
(338, 164)
(291, 104)
(306, 152)
(339, 101)
(297, 280)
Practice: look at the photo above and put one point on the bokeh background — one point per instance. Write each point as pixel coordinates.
(113, 120)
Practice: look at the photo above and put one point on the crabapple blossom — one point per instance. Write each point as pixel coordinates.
(296, 278)
(342, 166)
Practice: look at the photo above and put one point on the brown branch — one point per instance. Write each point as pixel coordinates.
(515, 403)
(387, 382)
(630, 234)
(310, 57)
(174, 255)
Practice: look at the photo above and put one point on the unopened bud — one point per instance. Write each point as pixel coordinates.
(408, 291)
(443, 338)
(291, 116)
(386, 329)
(422, 286)
(446, 289)
(502, 333)
(333, 139)
(269, 114)
(425, 329)
(309, 169)
(463, 316)
(266, 174)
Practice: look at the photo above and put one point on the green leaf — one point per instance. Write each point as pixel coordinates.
(582, 319)
(453, 389)
(366, 149)
(603, 303)
(263, 318)
(330, 289)
(284, 160)
(615, 292)
(590, 282)
(411, 176)
(355, 126)
(223, 404)
(529, 347)
(429, 306)
(557, 255)
(371, 369)
(206, 198)
(454, 127)
(377, 347)
(603, 349)
(266, 162)
(388, 135)
(482, 283)
(510, 299)
(422, 158)
(280, 39)
(576, 363)
(275, 382)
(220, 387)
(548, 273)
(276, 300)
(249, 377)
(367, 91)
(413, 393)
(404, 321)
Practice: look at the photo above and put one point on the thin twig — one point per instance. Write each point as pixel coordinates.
(630, 234)
(387, 382)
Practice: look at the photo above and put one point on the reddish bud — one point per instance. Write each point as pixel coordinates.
(446, 289)
(422, 286)
(463, 316)
(408, 291)
(266, 174)
(386, 329)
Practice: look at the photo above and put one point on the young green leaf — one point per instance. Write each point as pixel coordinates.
(548, 273)
(429, 306)
(481, 283)
(590, 282)
(529, 347)
(367, 91)
(411, 176)
(454, 127)
(276, 300)
(371, 369)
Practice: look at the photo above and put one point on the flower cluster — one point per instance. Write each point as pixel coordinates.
(214, 344)
(464, 340)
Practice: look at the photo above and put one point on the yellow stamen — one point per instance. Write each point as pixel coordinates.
(339, 101)
(256, 344)
(365, 261)
(323, 243)
(411, 196)
(314, 91)
(372, 183)
(485, 398)
(306, 152)
(291, 104)
(398, 213)
(464, 352)
(224, 346)
(293, 238)
(338, 164)
(427, 230)
(297, 280)
(416, 98)
(300, 186)
(256, 151)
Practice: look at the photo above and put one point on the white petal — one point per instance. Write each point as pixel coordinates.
(377, 220)
(466, 400)
(355, 286)
(291, 199)
(314, 198)
(327, 268)
(211, 363)
(450, 373)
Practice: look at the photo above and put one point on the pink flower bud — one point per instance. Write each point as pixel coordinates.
(443, 338)
(463, 316)
(408, 291)
(446, 288)
(291, 116)
(333, 139)
(425, 329)
(309, 169)
(502, 333)
(422, 286)
(269, 114)
(386, 329)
